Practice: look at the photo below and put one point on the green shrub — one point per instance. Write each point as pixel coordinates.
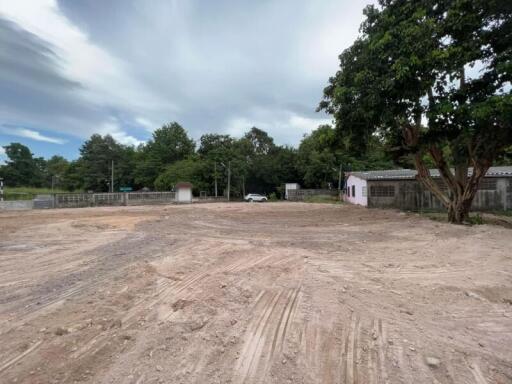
(476, 219)
(322, 199)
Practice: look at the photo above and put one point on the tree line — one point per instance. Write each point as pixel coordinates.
(257, 163)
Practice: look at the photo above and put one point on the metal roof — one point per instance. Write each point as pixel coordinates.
(183, 184)
(400, 174)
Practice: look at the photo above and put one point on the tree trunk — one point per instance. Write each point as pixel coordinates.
(462, 188)
(458, 210)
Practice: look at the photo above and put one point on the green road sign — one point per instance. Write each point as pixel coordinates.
(125, 189)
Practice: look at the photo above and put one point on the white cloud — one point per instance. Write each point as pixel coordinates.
(306, 124)
(320, 43)
(125, 67)
(105, 80)
(113, 129)
(238, 126)
(146, 123)
(287, 129)
(31, 134)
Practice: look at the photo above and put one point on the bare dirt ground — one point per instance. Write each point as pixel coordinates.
(252, 293)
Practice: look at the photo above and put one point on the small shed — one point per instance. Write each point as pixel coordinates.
(290, 187)
(183, 192)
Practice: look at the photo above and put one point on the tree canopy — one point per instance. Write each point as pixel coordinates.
(169, 144)
(95, 164)
(257, 164)
(432, 79)
(21, 166)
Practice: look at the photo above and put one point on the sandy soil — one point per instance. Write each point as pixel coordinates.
(252, 293)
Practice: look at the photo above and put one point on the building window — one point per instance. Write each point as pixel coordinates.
(441, 184)
(353, 191)
(348, 191)
(382, 190)
(487, 185)
(365, 191)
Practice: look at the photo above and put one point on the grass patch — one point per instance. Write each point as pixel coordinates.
(27, 193)
(323, 199)
(507, 213)
(500, 218)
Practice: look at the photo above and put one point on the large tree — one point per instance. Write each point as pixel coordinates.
(169, 144)
(56, 169)
(21, 168)
(432, 78)
(190, 170)
(323, 151)
(95, 164)
(317, 160)
(216, 151)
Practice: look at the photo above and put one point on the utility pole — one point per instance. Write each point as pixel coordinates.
(339, 182)
(215, 175)
(229, 179)
(243, 185)
(1, 189)
(112, 179)
(54, 179)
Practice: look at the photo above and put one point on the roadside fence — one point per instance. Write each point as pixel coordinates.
(77, 200)
(301, 194)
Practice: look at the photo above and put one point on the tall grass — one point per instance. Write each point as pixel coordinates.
(27, 193)
(323, 199)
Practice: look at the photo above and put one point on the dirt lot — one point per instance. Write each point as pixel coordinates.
(252, 293)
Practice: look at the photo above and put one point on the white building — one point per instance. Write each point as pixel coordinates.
(183, 192)
(399, 188)
(289, 187)
(357, 190)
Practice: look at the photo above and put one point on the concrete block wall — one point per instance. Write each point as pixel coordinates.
(14, 205)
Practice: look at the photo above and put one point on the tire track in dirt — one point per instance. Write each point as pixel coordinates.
(381, 343)
(351, 347)
(17, 358)
(402, 365)
(47, 303)
(144, 307)
(266, 334)
(43, 304)
(251, 350)
(477, 373)
(177, 290)
(372, 367)
(86, 280)
(289, 312)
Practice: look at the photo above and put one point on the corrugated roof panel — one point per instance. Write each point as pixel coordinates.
(399, 174)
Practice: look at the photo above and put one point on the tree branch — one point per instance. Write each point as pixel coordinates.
(411, 134)
(427, 181)
(444, 170)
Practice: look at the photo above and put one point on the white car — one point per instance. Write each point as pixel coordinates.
(255, 197)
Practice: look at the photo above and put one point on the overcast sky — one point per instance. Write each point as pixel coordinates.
(72, 68)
